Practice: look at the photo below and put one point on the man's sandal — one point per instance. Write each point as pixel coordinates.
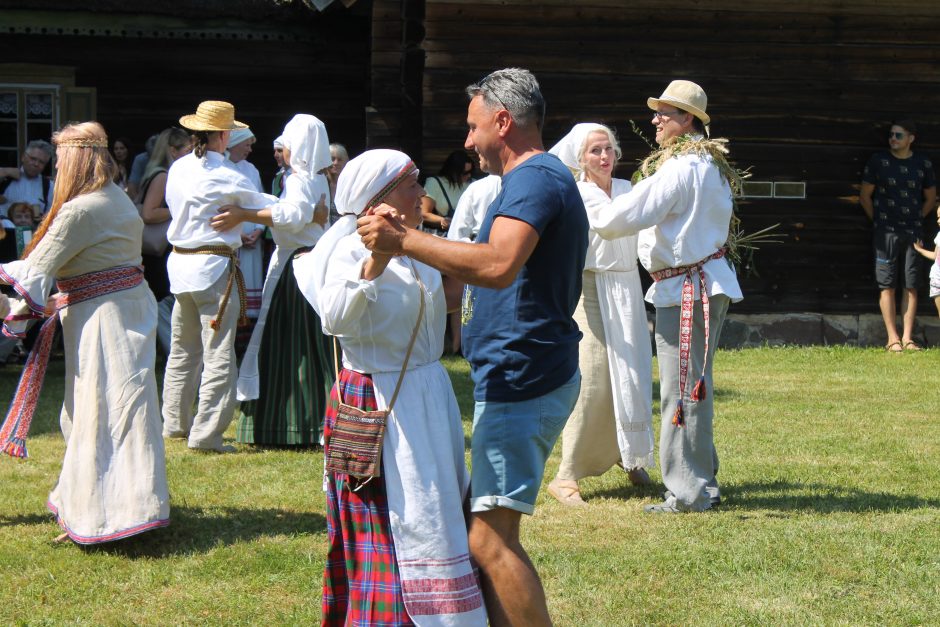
(894, 347)
(911, 345)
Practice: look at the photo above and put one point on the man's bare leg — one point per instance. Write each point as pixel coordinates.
(908, 314)
(511, 586)
(889, 315)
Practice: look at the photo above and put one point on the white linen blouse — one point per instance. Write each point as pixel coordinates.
(614, 255)
(374, 319)
(682, 214)
(293, 215)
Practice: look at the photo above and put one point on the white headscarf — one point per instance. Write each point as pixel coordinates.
(279, 142)
(570, 147)
(305, 137)
(240, 135)
(363, 183)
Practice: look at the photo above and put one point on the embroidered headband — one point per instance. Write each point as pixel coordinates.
(84, 143)
(409, 169)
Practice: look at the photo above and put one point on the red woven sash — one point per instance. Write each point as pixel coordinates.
(690, 271)
(71, 291)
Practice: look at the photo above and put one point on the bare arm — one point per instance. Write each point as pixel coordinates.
(929, 254)
(430, 218)
(153, 211)
(930, 200)
(864, 199)
(231, 216)
(494, 264)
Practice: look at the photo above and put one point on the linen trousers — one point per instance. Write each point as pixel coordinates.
(687, 454)
(589, 442)
(201, 361)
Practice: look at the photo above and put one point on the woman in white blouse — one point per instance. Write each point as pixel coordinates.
(612, 421)
(286, 373)
(408, 522)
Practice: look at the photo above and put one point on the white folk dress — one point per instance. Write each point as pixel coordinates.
(251, 260)
(424, 469)
(612, 420)
(113, 482)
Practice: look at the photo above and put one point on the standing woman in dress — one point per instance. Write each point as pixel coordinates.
(392, 536)
(612, 420)
(287, 372)
(113, 481)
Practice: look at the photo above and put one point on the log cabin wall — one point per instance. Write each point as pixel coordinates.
(803, 89)
(149, 69)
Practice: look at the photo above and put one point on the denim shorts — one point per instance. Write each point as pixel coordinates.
(510, 445)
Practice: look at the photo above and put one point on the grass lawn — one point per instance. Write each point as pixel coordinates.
(830, 472)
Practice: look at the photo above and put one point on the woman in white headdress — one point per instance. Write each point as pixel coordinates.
(286, 373)
(612, 420)
(392, 535)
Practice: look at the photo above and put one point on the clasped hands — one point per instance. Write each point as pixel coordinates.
(382, 230)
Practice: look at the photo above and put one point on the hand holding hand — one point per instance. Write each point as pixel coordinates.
(382, 230)
(321, 212)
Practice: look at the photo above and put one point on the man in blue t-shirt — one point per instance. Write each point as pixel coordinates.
(898, 189)
(524, 281)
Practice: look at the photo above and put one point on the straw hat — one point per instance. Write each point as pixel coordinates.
(684, 95)
(212, 115)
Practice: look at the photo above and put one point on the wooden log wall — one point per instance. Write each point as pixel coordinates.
(146, 84)
(803, 88)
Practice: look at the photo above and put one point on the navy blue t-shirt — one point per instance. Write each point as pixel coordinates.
(521, 341)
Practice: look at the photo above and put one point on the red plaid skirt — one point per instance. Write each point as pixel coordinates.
(361, 583)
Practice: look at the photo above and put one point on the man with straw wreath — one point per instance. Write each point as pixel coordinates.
(682, 209)
(205, 278)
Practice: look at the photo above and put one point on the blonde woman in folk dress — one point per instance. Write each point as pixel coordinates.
(113, 481)
(612, 421)
(393, 536)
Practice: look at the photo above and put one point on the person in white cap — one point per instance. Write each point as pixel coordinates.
(682, 210)
(251, 254)
(612, 420)
(204, 274)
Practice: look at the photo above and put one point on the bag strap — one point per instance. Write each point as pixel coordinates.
(411, 345)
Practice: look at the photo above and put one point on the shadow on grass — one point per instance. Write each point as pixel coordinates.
(789, 497)
(25, 519)
(197, 530)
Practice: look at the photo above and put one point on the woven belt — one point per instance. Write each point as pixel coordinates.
(71, 291)
(234, 274)
(685, 325)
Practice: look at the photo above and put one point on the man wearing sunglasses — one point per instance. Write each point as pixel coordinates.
(898, 189)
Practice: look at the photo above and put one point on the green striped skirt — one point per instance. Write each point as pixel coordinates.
(295, 366)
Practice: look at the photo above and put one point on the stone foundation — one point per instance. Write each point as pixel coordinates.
(745, 331)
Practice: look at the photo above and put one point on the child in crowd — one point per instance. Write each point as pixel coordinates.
(21, 214)
(934, 269)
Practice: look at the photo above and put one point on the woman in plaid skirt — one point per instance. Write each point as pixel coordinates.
(389, 538)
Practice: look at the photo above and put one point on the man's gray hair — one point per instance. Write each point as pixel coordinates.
(516, 90)
(42, 145)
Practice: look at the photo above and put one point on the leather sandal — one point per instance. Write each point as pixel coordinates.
(894, 347)
(565, 493)
(911, 345)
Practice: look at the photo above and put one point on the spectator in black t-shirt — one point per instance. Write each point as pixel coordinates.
(898, 189)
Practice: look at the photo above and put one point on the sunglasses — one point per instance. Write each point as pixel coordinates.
(666, 114)
(895, 135)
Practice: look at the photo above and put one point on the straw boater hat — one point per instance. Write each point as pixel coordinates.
(212, 115)
(684, 95)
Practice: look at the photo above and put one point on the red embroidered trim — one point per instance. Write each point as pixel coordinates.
(73, 290)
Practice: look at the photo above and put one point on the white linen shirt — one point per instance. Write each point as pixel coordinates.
(682, 214)
(374, 319)
(472, 206)
(195, 190)
(617, 255)
(293, 215)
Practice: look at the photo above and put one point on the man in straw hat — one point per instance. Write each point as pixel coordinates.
(524, 281)
(204, 276)
(682, 211)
